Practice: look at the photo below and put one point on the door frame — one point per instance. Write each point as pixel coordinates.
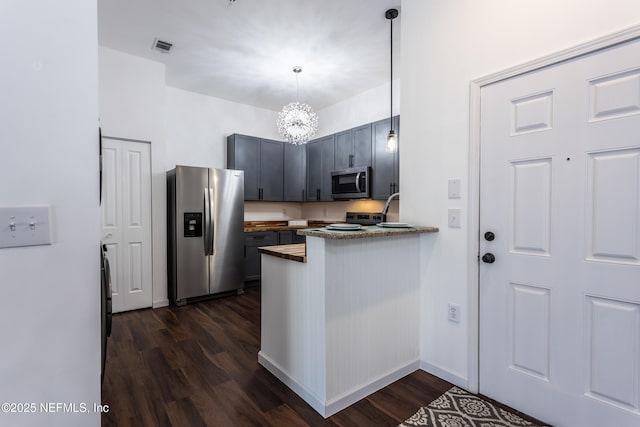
(473, 277)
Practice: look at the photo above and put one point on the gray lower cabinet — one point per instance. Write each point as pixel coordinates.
(353, 147)
(262, 161)
(254, 240)
(385, 178)
(320, 163)
(295, 173)
(290, 237)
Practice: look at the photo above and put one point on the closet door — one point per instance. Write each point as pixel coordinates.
(126, 221)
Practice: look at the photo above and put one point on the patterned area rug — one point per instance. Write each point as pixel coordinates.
(457, 408)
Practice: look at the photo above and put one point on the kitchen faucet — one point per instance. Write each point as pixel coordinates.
(386, 205)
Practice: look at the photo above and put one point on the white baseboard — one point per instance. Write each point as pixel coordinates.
(160, 303)
(309, 397)
(446, 375)
(327, 409)
(346, 400)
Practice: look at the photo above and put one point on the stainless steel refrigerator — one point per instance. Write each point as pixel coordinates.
(205, 221)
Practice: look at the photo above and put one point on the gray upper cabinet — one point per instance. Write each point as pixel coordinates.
(271, 166)
(353, 147)
(320, 163)
(243, 152)
(262, 161)
(385, 169)
(295, 173)
(277, 171)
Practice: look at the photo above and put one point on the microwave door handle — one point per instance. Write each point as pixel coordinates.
(358, 182)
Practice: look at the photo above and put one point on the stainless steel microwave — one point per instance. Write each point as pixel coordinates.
(353, 183)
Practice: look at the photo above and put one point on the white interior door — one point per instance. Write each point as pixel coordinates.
(126, 221)
(560, 190)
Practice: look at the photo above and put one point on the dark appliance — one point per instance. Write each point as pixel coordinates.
(105, 303)
(365, 218)
(352, 183)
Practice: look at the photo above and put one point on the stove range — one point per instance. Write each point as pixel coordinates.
(365, 218)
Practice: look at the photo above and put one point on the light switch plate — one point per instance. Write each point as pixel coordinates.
(25, 226)
(454, 189)
(454, 218)
(454, 312)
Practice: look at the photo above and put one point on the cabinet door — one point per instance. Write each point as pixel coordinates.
(328, 165)
(314, 169)
(396, 158)
(243, 153)
(271, 170)
(285, 237)
(252, 257)
(383, 173)
(320, 163)
(344, 150)
(361, 153)
(295, 167)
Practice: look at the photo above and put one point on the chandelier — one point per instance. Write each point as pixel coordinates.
(297, 122)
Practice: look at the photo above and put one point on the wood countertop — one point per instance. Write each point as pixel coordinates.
(253, 226)
(297, 252)
(365, 231)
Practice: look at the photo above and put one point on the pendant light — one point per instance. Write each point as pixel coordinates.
(297, 122)
(392, 138)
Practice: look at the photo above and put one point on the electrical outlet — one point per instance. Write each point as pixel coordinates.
(454, 312)
(454, 218)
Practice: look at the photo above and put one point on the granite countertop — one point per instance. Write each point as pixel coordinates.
(366, 231)
(297, 252)
(252, 226)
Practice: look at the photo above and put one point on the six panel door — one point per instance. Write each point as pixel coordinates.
(560, 190)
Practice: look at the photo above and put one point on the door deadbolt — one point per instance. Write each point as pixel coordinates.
(489, 236)
(489, 258)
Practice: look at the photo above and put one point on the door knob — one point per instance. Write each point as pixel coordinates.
(489, 236)
(108, 236)
(489, 258)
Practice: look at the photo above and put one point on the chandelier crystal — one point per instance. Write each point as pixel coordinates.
(297, 122)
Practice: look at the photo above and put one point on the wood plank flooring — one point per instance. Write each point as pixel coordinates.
(196, 365)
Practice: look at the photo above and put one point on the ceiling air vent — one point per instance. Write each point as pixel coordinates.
(162, 46)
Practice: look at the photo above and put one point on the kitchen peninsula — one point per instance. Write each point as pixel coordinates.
(340, 316)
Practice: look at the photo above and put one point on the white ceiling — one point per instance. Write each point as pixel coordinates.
(244, 50)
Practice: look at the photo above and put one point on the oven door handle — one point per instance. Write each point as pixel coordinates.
(358, 182)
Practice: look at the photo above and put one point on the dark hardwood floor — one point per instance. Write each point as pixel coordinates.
(196, 365)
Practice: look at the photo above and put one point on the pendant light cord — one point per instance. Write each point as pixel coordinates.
(391, 79)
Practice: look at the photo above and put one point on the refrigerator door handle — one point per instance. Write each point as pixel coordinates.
(208, 232)
(212, 222)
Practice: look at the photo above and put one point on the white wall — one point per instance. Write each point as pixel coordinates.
(50, 305)
(366, 107)
(445, 45)
(132, 105)
(197, 127)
